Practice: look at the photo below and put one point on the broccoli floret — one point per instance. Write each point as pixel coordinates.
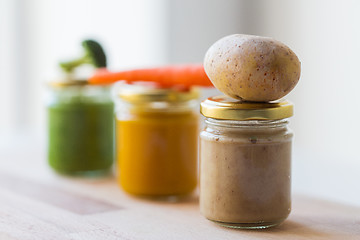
(93, 54)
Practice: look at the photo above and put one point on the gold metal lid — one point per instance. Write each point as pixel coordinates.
(141, 94)
(223, 107)
(68, 83)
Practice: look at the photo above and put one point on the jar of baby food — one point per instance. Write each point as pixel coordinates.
(245, 162)
(80, 128)
(157, 141)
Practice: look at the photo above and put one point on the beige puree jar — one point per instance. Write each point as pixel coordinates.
(245, 162)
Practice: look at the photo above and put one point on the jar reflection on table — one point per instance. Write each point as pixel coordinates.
(80, 128)
(245, 163)
(157, 141)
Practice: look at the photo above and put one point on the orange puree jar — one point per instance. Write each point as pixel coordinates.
(157, 141)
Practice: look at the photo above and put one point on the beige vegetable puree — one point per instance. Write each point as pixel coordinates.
(245, 175)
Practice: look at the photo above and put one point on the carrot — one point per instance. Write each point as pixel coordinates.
(168, 76)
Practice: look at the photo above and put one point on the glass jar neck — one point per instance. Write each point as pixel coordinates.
(160, 106)
(73, 94)
(247, 124)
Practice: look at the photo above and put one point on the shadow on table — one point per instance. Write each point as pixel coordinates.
(293, 228)
(189, 199)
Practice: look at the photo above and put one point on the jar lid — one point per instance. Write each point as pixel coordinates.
(223, 107)
(141, 94)
(68, 83)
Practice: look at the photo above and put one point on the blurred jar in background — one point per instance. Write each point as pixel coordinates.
(157, 140)
(80, 128)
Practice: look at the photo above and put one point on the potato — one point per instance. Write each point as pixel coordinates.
(252, 68)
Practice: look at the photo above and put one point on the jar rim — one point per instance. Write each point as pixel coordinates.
(226, 108)
(145, 94)
(67, 82)
(73, 82)
(247, 123)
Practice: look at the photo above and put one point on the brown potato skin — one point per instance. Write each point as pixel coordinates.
(252, 68)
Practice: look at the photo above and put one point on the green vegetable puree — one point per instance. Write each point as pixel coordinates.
(81, 136)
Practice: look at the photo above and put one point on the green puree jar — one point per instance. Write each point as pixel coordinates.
(80, 128)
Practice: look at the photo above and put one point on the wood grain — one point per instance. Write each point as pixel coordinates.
(36, 203)
(55, 196)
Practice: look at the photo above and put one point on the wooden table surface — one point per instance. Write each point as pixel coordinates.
(36, 203)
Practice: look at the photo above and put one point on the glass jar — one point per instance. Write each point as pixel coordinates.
(80, 128)
(157, 141)
(245, 162)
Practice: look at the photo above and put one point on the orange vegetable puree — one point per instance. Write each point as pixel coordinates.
(157, 153)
